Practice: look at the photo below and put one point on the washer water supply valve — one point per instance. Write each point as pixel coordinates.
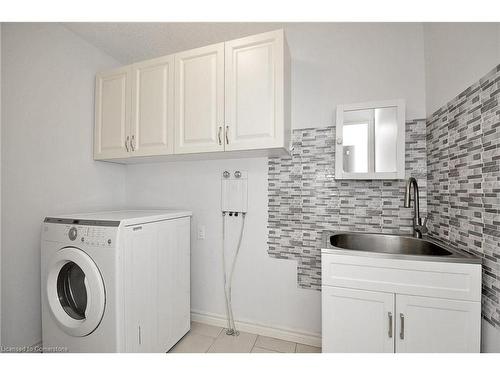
(234, 192)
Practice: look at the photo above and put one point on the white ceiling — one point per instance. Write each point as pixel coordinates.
(128, 42)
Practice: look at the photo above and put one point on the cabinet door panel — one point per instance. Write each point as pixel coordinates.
(174, 281)
(152, 125)
(436, 325)
(254, 91)
(357, 321)
(199, 100)
(112, 107)
(140, 278)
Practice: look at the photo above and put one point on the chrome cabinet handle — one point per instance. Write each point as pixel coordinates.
(126, 143)
(132, 143)
(390, 324)
(218, 135)
(227, 134)
(402, 333)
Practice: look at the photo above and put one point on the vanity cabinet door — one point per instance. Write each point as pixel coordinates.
(437, 325)
(357, 321)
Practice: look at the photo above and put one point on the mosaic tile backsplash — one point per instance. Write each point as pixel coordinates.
(463, 163)
(305, 199)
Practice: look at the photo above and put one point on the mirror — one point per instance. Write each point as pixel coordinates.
(370, 140)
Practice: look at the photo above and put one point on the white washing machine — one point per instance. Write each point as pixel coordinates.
(115, 281)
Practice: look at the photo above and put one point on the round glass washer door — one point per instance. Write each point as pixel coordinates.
(75, 292)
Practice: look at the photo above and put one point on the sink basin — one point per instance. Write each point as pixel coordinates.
(382, 243)
(394, 246)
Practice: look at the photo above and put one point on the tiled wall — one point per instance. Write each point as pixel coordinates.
(463, 162)
(305, 199)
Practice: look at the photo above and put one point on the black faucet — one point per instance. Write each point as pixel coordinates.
(419, 227)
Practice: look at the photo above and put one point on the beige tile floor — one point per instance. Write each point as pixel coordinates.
(204, 338)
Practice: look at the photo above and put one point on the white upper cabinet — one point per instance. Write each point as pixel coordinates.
(255, 89)
(232, 96)
(199, 100)
(152, 122)
(112, 114)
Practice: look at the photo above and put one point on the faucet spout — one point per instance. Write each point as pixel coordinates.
(412, 182)
(419, 227)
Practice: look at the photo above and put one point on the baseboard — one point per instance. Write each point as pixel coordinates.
(281, 333)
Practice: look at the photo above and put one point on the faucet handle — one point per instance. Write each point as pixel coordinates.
(424, 224)
(422, 227)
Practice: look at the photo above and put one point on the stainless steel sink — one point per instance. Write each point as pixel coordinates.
(394, 246)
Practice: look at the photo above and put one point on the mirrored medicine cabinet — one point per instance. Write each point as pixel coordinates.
(370, 141)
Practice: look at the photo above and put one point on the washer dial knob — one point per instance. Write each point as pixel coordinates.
(72, 234)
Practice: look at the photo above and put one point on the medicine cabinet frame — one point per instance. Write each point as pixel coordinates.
(371, 174)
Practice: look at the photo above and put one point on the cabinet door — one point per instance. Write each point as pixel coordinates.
(112, 114)
(140, 279)
(152, 124)
(254, 91)
(357, 321)
(437, 325)
(199, 100)
(173, 281)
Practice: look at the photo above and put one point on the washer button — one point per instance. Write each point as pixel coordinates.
(109, 241)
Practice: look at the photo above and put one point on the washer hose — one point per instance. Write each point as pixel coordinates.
(228, 280)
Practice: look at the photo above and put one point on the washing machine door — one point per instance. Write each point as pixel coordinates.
(75, 291)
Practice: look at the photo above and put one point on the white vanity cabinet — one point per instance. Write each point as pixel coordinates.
(395, 305)
(221, 99)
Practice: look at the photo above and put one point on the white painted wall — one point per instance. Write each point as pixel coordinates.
(47, 115)
(265, 289)
(456, 56)
(340, 63)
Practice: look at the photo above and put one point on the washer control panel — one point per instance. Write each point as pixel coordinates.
(81, 235)
(101, 234)
(95, 236)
